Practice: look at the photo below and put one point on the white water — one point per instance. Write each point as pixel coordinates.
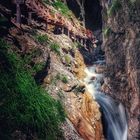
(114, 118)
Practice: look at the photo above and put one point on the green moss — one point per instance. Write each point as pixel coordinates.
(56, 48)
(25, 106)
(115, 7)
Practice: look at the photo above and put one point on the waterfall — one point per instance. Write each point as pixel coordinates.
(114, 117)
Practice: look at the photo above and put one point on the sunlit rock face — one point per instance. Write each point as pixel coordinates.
(122, 52)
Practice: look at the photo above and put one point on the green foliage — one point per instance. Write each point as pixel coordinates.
(67, 59)
(115, 7)
(79, 45)
(42, 39)
(64, 79)
(28, 60)
(62, 8)
(38, 67)
(107, 31)
(24, 106)
(56, 48)
(60, 77)
(46, 1)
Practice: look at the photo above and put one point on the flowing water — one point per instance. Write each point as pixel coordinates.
(114, 118)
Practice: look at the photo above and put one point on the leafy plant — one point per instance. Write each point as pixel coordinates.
(62, 8)
(38, 66)
(64, 79)
(42, 39)
(24, 106)
(56, 48)
(115, 7)
(61, 77)
(67, 59)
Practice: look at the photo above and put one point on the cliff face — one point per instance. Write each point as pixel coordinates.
(57, 64)
(122, 51)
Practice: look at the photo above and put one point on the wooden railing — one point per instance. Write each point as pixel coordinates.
(69, 27)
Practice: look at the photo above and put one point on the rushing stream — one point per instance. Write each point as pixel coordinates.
(114, 118)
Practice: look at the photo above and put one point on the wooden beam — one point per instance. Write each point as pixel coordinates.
(18, 13)
(29, 18)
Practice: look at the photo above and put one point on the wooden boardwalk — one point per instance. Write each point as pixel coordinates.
(69, 27)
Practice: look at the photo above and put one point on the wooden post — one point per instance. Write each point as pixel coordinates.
(77, 39)
(46, 27)
(82, 43)
(85, 43)
(68, 33)
(29, 18)
(18, 13)
(62, 30)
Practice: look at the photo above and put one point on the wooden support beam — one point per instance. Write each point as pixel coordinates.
(82, 42)
(63, 30)
(66, 31)
(18, 13)
(29, 18)
(85, 42)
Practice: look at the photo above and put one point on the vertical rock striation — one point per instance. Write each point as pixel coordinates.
(121, 21)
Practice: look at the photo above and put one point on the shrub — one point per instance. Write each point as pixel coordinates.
(56, 48)
(42, 39)
(38, 67)
(64, 79)
(67, 59)
(61, 77)
(24, 106)
(62, 8)
(115, 7)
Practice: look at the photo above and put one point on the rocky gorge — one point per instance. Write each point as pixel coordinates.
(72, 68)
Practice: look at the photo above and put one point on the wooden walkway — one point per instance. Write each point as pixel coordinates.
(72, 29)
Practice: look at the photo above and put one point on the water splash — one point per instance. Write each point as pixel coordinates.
(115, 124)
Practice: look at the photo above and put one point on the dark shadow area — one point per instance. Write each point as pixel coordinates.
(104, 124)
(39, 77)
(93, 15)
(74, 7)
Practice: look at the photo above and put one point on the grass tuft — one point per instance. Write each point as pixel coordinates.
(42, 39)
(25, 106)
(56, 48)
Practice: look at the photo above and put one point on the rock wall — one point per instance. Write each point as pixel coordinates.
(121, 21)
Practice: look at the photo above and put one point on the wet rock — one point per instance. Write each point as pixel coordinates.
(100, 69)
